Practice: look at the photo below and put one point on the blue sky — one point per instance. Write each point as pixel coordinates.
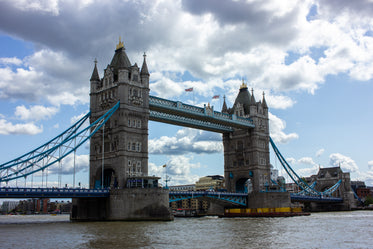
(313, 59)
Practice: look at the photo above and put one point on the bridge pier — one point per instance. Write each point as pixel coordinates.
(269, 200)
(137, 204)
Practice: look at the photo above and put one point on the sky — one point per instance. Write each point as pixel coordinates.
(312, 59)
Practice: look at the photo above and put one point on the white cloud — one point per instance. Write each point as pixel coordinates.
(47, 6)
(57, 83)
(35, 113)
(185, 141)
(10, 61)
(320, 152)
(306, 160)
(67, 168)
(345, 162)
(178, 169)
(370, 165)
(291, 160)
(276, 127)
(279, 101)
(204, 39)
(7, 128)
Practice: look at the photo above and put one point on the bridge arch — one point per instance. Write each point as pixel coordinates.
(110, 178)
(244, 185)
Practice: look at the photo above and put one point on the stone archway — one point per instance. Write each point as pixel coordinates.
(110, 179)
(244, 185)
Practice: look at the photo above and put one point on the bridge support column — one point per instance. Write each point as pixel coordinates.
(215, 209)
(269, 200)
(136, 204)
(89, 209)
(139, 204)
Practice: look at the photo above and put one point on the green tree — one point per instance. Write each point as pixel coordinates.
(368, 200)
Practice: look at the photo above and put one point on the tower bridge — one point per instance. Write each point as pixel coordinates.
(120, 108)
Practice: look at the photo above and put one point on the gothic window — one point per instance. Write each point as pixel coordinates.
(135, 77)
(130, 92)
(129, 146)
(138, 123)
(137, 146)
(134, 92)
(138, 168)
(133, 123)
(129, 122)
(239, 145)
(133, 146)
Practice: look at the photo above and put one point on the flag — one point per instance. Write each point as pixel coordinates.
(189, 89)
(216, 97)
(164, 166)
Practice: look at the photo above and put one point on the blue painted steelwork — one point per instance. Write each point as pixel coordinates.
(314, 198)
(234, 198)
(48, 145)
(282, 189)
(188, 122)
(52, 192)
(356, 196)
(333, 188)
(53, 151)
(298, 180)
(303, 191)
(178, 113)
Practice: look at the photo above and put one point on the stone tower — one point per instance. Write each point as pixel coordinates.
(124, 152)
(246, 152)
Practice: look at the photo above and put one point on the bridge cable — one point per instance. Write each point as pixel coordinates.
(23, 166)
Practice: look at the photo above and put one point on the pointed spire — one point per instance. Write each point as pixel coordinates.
(252, 101)
(264, 103)
(224, 109)
(144, 68)
(95, 76)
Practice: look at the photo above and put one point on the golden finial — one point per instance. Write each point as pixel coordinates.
(243, 85)
(120, 44)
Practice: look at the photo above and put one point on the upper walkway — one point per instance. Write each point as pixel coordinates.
(178, 113)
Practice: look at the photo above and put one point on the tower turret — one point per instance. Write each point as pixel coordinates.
(144, 73)
(95, 84)
(224, 109)
(253, 108)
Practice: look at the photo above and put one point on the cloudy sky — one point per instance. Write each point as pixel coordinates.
(313, 59)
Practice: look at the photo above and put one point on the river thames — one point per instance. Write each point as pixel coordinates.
(319, 230)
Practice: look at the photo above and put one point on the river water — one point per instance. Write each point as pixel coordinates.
(320, 230)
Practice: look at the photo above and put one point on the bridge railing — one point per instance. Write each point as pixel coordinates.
(6, 192)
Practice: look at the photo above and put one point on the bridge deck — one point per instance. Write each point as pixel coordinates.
(51, 193)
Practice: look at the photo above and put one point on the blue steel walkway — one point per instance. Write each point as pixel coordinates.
(316, 198)
(178, 113)
(51, 193)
